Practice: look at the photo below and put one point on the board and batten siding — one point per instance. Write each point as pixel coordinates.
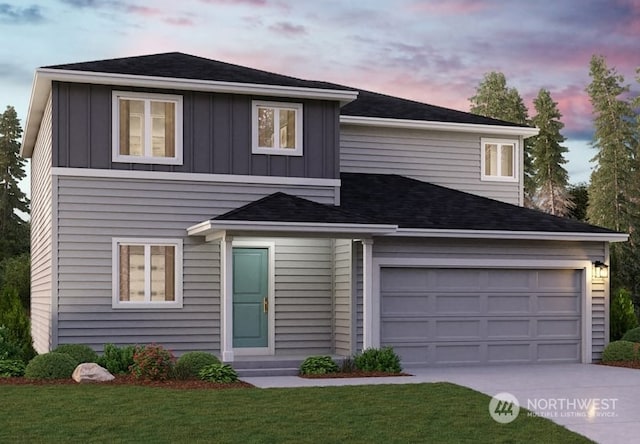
(42, 236)
(216, 135)
(92, 211)
(448, 159)
(503, 249)
(342, 289)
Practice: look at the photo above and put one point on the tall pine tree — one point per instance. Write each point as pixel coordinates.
(496, 100)
(613, 192)
(14, 231)
(550, 178)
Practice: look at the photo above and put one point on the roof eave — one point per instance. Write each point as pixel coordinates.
(212, 226)
(521, 131)
(40, 90)
(516, 235)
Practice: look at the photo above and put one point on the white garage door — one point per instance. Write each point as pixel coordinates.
(481, 316)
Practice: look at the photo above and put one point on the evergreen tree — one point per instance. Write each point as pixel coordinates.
(614, 188)
(496, 100)
(14, 231)
(579, 195)
(547, 151)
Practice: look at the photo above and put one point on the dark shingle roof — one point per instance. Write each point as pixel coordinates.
(186, 66)
(410, 203)
(281, 207)
(407, 203)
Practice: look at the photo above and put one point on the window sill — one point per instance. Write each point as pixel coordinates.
(148, 160)
(498, 179)
(277, 151)
(146, 305)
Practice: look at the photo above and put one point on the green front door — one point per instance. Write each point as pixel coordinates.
(250, 297)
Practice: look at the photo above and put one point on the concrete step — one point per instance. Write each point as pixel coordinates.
(270, 366)
(253, 372)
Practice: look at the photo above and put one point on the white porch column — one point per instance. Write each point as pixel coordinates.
(370, 310)
(226, 298)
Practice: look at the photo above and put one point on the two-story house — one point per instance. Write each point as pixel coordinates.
(208, 206)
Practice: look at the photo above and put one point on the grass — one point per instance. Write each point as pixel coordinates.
(438, 413)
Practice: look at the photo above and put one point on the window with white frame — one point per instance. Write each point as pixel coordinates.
(147, 273)
(499, 160)
(277, 128)
(147, 128)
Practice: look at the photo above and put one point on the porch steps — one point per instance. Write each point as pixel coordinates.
(263, 367)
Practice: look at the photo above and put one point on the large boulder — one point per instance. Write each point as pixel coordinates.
(91, 372)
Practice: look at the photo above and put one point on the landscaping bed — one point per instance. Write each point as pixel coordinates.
(355, 374)
(131, 380)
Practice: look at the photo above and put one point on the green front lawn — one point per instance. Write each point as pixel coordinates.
(375, 413)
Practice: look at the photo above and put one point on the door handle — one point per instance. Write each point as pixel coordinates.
(265, 305)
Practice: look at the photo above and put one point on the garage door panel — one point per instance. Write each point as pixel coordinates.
(481, 316)
(509, 353)
(456, 304)
(567, 328)
(509, 304)
(508, 328)
(558, 304)
(456, 329)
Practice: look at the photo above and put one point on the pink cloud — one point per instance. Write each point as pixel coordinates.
(179, 21)
(451, 7)
(143, 11)
(237, 2)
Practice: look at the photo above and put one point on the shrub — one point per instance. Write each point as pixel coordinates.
(152, 362)
(622, 314)
(621, 351)
(348, 365)
(11, 367)
(318, 365)
(8, 348)
(16, 321)
(50, 366)
(80, 352)
(220, 373)
(117, 360)
(632, 335)
(189, 365)
(378, 360)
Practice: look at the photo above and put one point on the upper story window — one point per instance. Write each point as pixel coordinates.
(499, 160)
(277, 128)
(147, 273)
(147, 128)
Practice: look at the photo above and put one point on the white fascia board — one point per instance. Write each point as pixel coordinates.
(193, 177)
(210, 226)
(44, 77)
(519, 235)
(441, 126)
(40, 90)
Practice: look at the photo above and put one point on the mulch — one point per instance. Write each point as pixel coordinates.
(354, 374)
(130, 380)
(627, 364)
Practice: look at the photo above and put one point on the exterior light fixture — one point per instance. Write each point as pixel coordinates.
(600, 270)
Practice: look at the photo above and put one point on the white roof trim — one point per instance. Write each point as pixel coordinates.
(520, 235)
(441, 126)
(44, 76)
(211, 226)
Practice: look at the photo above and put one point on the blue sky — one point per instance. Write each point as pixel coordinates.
(435, 51)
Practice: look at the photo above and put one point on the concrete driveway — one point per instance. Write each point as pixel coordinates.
(599, 402)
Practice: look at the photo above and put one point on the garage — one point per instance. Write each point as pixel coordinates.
(480, 316)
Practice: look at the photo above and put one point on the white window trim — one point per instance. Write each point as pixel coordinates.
(516, 157)
(276, 150)
(115, 272)
(115, 128)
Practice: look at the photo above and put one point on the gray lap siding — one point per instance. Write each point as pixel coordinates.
(91, 212)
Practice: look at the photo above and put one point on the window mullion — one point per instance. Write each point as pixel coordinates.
(276, 128)
(147, 273)
(148, 151)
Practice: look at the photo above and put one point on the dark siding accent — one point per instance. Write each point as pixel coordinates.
(216, 128)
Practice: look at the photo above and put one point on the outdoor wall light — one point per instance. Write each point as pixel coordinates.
(600, 270)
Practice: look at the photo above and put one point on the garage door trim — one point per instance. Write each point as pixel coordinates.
(582, 265)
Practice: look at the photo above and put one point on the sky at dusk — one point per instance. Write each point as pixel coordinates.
(434, 51)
